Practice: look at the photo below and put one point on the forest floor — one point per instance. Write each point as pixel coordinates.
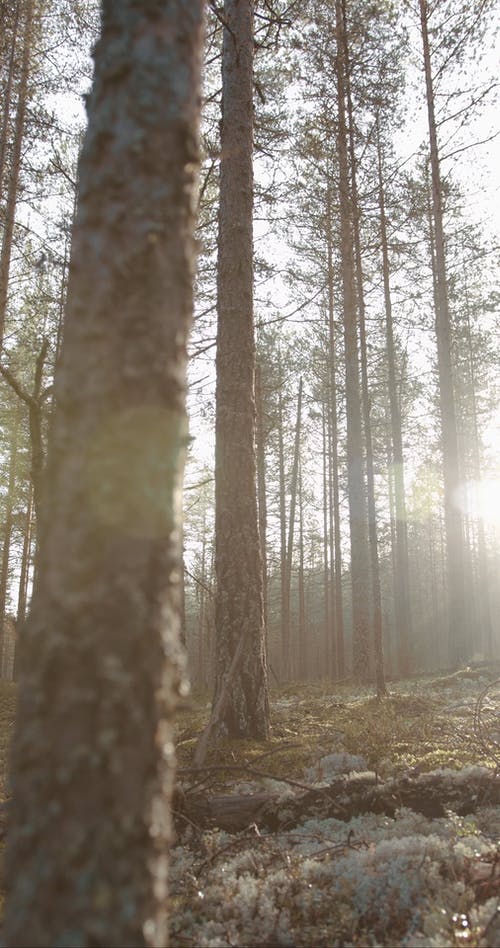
(392, 878)
(398, 877)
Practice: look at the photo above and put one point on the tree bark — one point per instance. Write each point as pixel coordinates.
(92, 770)
(238, 561)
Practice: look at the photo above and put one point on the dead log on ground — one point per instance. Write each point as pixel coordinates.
(431, 794)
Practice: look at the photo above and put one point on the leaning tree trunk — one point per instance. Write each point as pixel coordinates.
(92, 767)
(238, 564)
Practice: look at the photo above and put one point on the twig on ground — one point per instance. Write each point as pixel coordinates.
(287, 745)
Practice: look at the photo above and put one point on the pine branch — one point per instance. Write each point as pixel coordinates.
(16, 387)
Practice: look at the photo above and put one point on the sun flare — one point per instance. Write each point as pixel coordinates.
(480, 500)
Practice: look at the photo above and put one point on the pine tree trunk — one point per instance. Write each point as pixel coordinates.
(302, 636)
(331, 540)
(182, 580)
(370, 483)
(15, 167)
(7, 536)
(7, 96)
(335, 595)
(261, 485)
(326, 568)
(284, 599)
(36, 441)
(365, 397)
(356, 486)
(238, 561)
(401, 571)
(63, 289)
(390, 650)
(22, 600)
(335, 500)
(92, 773)
(287, 657)
(458, 632)
(483, 591)
(202, 643)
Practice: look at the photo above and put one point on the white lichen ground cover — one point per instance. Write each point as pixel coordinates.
(407, 881)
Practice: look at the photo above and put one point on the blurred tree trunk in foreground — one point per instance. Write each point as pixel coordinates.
(100, 661)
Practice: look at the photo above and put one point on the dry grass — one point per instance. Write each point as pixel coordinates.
(425, 724)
